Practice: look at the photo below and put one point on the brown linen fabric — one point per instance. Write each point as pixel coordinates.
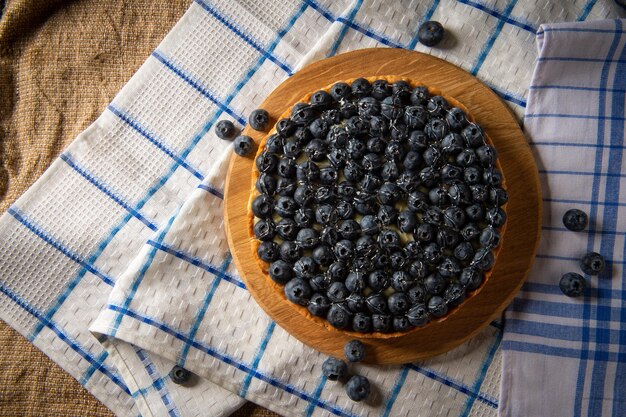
(61, 62)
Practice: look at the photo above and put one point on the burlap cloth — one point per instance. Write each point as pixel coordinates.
(61, 62)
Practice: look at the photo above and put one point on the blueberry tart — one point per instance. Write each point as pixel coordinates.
(378, 206)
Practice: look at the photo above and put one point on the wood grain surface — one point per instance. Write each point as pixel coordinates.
(524, 208)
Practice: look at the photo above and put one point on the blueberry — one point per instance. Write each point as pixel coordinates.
(498, 196)
(266, 184)
(328, 175)
(337, 292)
(575, 220)
(340, 91)
(346, 189)
(402, 89)
(473, 136)
(429, 176)
(307, 171)
(302, 114)
(417, 294)
(592, 263)
(337, 137)
(415, 117)
(430, 33)
(417, 201)
(344, 250)
(451, 173)
(432, 156)
(470, 232)
(381, 89)
(268, 251)
(418, 141)
(243, 145)
(418, 315)
(366, 245)
(378, 280)
(356, 303)
(572, 284)
(399, 132)
(408, 181)
(285, 127)
(339, 316)
(285, 206)
(316, 150)
(304, 217)
(265, 230)
(263, 206)
(321, 99)
(347, 109)
(437, 106)
(398, 303)
(274, 143)
(433, 215)
(338, 271)
(390, 171)
(397, 260)
(345, 210)
(479, 193)
(323, 255)
(361, 87)
(401, 324)
(489, 237)
(307, 238)
(289, 251)
(179, 375)
(459, 194)
(495, 216)
(447, 237)
(466, 158)
(362, 264)
(285, 187)
(334, 369)
(492, 176)
(420, 95)
(454, 217)
(371, 162)
(401, 281)
(412, 160)
(332, 116)
(376, 145)
(287, 229)
(472, 175)
(456, 118)
(389, 239)
(353, 171)
(486, 155)
(407, 221)
(286, 168)
(266, 162)
(454, 294)
(483, 259)
(437, 306)
(435, 283)
(370, 225)
(452, 144)
(417, 269)
(326, 214)
(319, 128)
(475, 213)
(432, 253)
(381, 259)
(325, 194)
(354, 351)
(319, 283)
(356, 149)
(377, 304)
(358, 388)
(304, 195)
(280, 272)
(349, 229)
(438, 196)
(394, 151)
(391, 107)
(449, 267)
(425, 232)
(259, 119)
(362, 323)
(436, 129)
(305, 267)
(389, 193)
(355, 282)
(298, 291)
(356, 127)
(368, 107)
(381, 322)
(225, 129)
(464, 251)
(387, 215)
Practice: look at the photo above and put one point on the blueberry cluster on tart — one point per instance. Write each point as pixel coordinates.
(378, 205)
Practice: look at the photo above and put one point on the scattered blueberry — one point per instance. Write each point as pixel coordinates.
(259, 119)
(354, 351)
(358, 388)
(575, 220)
(225, 129)
(179, 375)
(334, 369)
(572, 284)
(430, 33)
(592, 263)
(243, 145)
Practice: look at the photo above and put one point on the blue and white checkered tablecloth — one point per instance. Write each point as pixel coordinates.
(574, 348)
(123, 234)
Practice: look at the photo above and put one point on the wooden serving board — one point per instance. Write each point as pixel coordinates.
(522, 229)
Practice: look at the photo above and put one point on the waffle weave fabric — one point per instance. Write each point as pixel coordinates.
(123, 235)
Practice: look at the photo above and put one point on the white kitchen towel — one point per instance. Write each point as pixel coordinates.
(574, 348)
(110, 211)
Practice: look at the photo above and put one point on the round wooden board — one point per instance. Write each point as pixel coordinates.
(524, 207)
